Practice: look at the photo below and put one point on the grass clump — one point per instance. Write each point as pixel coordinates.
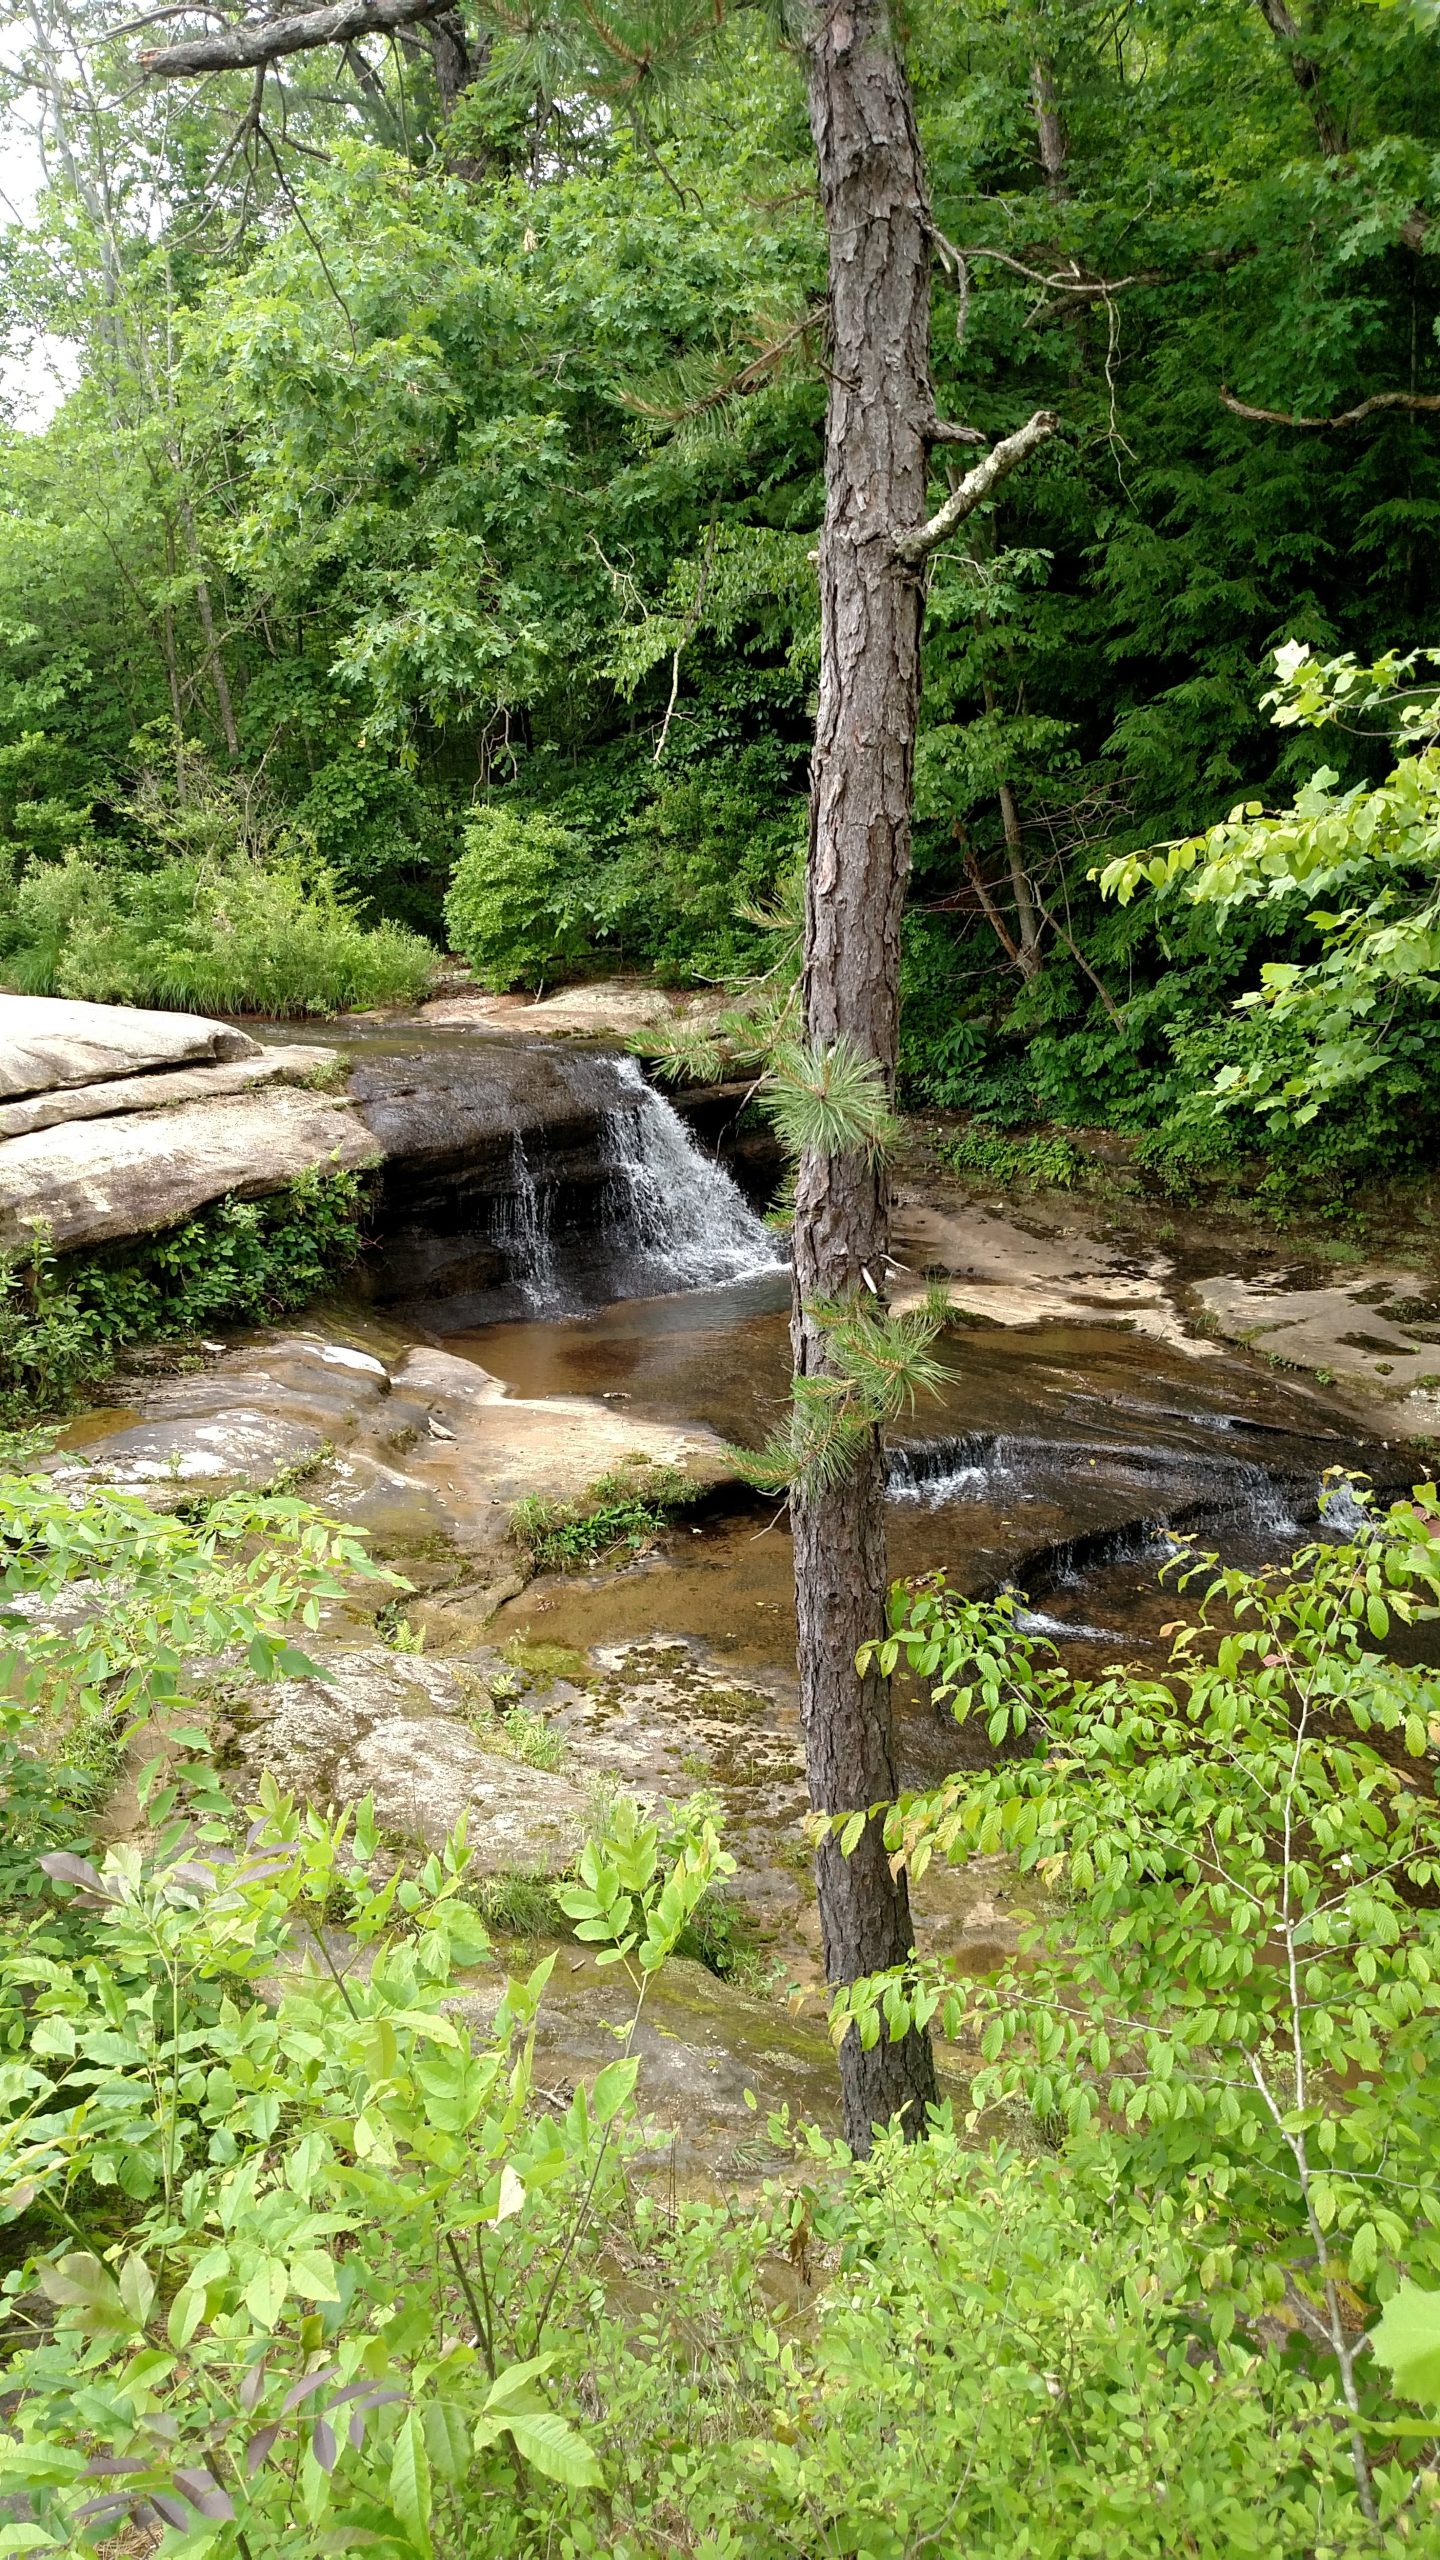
(1044, 1162)
(506, 1724)
(519, 1905)
(215, 935)
(64, 1321)
(623, 1510)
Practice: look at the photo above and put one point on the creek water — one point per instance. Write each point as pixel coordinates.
(627, 1264)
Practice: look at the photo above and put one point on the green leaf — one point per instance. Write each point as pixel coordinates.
(613, 2087)
(410, 2480)
(312, 2276)
(1406, 2340)
(447, 2439)
(555, 2448)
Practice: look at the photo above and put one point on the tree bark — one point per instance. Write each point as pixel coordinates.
(878, 226)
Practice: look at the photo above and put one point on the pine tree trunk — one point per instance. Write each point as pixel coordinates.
(873, 191)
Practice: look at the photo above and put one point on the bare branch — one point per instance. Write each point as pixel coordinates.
(262, 40)
(1422, 400)
(945, 431)
(976, 487)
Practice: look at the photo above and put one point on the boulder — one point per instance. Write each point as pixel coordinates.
(89, 1182)
(162, 1087)
(45, 1041)
(420, 1739)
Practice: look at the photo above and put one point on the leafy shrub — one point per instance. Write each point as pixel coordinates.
(1234, 1949)
(625, 1508)
(210, 937)
(518, 907)
(295, 2262)
(1045, 1162)
(994, 2364)
(63, 1323)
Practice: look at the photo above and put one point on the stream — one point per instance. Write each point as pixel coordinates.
(602, 1282)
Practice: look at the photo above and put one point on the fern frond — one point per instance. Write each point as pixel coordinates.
(831, 1100)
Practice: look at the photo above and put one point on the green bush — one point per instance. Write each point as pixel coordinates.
(63, 1323)
(625, 1508)
(207, 936)
(518, 907)
(1045, 1162)
(994, 2366)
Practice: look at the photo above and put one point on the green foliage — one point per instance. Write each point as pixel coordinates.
(1044, 1162)
(285, 2237)
(64, 1322)
(623, 1510)
(1233, 1953)
(831, 1101)
(204, 937)
(103, 1602)
(1371, 856)
(876, 1364)
(517, 906)
(994, 2359)
(294, 2254)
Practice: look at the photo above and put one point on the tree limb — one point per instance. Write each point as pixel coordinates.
(262, 40)
(1305, 72)
(976, 487)
(1345, 418)
(945, 431)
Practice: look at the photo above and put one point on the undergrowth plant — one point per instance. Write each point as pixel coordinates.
(621, 1511)
(1048, 1161)
(290, 2230)
(1232, 1957)
(64, 1320)
(103, 1603)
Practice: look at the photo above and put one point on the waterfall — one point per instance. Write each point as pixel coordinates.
(670, 1211)
(522, 1229)
(662, 1217)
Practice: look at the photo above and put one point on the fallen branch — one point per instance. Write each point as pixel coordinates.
(1346, 417)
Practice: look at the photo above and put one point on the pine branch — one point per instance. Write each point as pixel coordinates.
(245, 48)
(976, 486)
(833, 1101)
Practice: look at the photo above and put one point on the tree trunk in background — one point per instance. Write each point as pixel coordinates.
(877, 222)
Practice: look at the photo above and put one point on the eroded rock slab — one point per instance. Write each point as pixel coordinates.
(94, 1181)
(412, 1735)
(48, 1042)
(1373, 1329)
(1010, 1271)
(163, 1087)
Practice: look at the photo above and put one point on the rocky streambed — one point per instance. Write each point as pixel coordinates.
(569, 1294)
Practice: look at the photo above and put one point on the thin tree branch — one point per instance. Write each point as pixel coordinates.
(1346, 417)
(267, 39)
(946, 431)
(976, 486)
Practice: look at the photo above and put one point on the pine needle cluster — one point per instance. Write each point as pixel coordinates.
(877, 1365)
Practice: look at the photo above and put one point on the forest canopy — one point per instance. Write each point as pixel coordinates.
(444, 471)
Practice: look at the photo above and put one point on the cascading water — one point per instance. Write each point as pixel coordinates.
(663, 1218)
(673, 1216)
(522, 1229)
